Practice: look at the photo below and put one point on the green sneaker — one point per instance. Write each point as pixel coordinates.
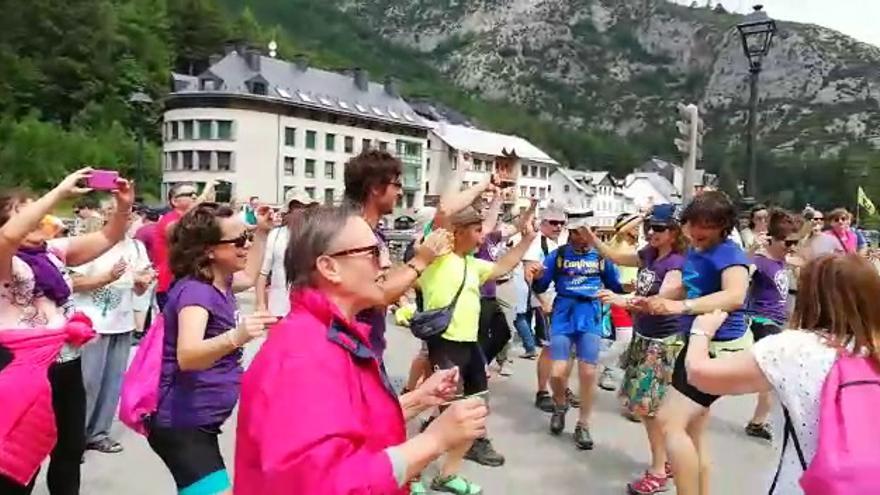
(455, 484)
(417, 488)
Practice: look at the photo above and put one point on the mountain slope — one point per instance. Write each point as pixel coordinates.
(622, 65)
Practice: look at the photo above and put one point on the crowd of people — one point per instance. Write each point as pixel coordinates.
(678, 309)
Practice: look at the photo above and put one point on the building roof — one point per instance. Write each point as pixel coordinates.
(300, 85)
(657, 181)
(593, 178)
(570, 176)
(488, 143)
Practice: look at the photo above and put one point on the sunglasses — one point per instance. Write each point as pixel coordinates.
(556, 223)
(240, 241)
(791, 243)
(818, 219)
(373, 251)
(187, 195)
(659, 228)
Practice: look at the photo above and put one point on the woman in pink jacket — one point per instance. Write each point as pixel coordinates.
(317, 413)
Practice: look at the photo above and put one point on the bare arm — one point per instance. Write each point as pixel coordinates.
(87, 247)
(736, 374)
(490, 222)
(262, 302)
(27, 217)
(622, 257)
(734, 287)
(672, 286)
(453, 201)
(207, 193)
(194, 352)
(246, 278)
(511, 258)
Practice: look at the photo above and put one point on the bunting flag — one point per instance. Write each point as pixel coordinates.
(866, 203)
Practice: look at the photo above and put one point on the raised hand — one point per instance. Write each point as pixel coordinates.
(437, 243)
(252, 327)
(72, 185)
(124, 194)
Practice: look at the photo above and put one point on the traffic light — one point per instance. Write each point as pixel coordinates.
(690, 144)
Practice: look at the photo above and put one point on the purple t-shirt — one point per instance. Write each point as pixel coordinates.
(768, 292)
(198, 398)
(652, 271)
(489, 251)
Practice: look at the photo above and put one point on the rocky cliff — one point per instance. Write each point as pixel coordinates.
(622, 65)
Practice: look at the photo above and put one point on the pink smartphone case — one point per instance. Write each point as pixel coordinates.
(103, 179)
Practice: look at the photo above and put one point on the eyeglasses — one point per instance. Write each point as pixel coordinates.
(192, 194)
(397, 183)
(556, 223)
(818, 219)
(240, 241)
(373, 251)
(659, 228)
(791, 243)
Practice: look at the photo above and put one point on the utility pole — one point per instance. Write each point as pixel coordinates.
(690, 144)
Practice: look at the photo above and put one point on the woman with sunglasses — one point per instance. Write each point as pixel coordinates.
(213, 256)
(767, 300)
(649, 359)
(318, 414)
(35, 293)
(715, 275)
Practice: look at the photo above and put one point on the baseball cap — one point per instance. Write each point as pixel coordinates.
(466, 217)
(625, 221)
(297, 196)
(663, 214)
(578, 219)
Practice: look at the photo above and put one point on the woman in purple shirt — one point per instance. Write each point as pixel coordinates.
(212, 256)
(766, 304)
(649, 360)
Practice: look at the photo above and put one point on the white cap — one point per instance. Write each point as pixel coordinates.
(578, 219)
(300, 197)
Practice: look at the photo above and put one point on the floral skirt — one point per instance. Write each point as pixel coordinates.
(647, 372)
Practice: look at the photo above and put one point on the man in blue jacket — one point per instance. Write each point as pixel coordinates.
(578, 272)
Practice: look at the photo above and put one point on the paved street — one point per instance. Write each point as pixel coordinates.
(536, 462)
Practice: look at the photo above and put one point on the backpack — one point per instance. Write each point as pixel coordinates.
(139, 397)
(847, 456)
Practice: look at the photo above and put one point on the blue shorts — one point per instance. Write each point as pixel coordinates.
(586, 346)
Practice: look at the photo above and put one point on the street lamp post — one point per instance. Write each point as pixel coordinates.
(140, 101)
(756, 32)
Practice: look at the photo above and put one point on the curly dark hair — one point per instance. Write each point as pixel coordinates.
(191, 237)
(712, 208)
(370, 169)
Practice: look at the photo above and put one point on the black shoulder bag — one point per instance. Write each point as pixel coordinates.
(428, 324)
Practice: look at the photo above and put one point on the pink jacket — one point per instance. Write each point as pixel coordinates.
(27, 423)
(316, 409)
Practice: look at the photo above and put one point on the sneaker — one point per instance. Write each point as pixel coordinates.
(573, 400)
(455, 484)
(759, 431)
(504, 368)
(582, 437)
(483, 453)
(544, 402)
(417, 488)
(608, 380)
(648, 484)
(626, 413)
(557, 421)
(529, 355)
(105, 445)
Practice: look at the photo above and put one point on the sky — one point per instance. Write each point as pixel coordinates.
(856, 18)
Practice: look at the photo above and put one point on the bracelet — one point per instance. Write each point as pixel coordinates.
(413, 267)
(688, 307)
(699, 333)
(231, 339)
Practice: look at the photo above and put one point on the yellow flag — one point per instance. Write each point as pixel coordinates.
(865, 202)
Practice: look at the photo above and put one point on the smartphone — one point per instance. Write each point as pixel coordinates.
(103, 180)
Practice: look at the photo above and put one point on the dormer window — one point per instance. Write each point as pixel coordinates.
(258, 88)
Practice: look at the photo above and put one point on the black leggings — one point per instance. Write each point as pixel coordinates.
(69, 406)
(494, 332)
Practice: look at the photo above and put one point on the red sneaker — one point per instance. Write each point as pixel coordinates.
(648, 484)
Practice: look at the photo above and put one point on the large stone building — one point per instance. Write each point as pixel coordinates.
(464, 155)
(267, 128)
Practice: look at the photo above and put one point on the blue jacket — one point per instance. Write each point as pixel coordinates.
(577, 277)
